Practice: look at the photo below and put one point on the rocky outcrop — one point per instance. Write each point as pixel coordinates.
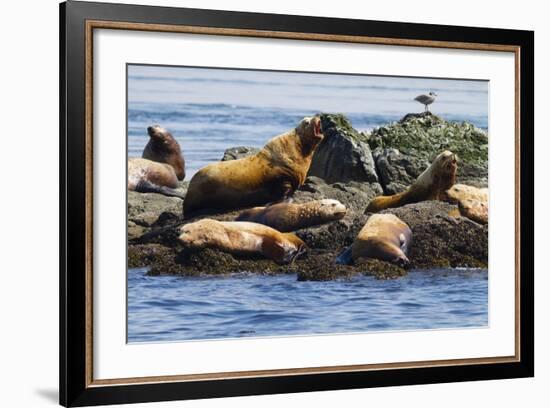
(344, 170)
(403, 150)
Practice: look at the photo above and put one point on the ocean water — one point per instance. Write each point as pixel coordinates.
(210, 110)
(170, 308)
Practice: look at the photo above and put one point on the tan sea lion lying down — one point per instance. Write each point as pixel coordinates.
(146, 176)
(272, 174)
(241, 237)
(473, 202)
(430, 185)
(384, 237)
(286, 217)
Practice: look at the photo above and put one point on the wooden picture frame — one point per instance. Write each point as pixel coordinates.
(77, 22)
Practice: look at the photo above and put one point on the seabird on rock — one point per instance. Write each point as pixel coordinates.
(426, 100)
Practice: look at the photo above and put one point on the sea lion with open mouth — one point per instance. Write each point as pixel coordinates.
(271, 175)
(430, 185)
(244, 238)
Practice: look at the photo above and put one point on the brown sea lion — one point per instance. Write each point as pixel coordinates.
(163, 148)
(473, 202)
(240, 237)
(272, 174)
(383, 237)
(287, 217)
(430, 185)
(146, 176)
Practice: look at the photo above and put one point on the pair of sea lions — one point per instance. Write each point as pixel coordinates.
(160, 167)
(271, 175)
(262, 230)
(437, 182)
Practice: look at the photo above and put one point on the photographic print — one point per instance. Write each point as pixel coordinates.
(273, 203)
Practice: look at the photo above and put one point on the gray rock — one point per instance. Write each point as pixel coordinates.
(234, 153)
(398, 171)
(144, 209)
(354, 195)
(344, 154)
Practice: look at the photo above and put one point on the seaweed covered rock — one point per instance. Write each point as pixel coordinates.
(344, 154)
(402, 150)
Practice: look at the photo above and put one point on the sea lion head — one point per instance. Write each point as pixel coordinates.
(198, 234)
(310, 132)
(444, 169)
(447, 161)
(329, 209)
(164, 148)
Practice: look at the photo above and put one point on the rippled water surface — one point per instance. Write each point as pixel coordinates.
(169, 308)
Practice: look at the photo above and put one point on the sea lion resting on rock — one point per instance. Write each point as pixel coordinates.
(286, 217)
(163, 148)
(146, 176)
(430, 185)
(473, 202)
(272, 174)
(241, 237)
(383, 237)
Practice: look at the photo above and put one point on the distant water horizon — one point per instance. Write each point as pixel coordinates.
(209, 110)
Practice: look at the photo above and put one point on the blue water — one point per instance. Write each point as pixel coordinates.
(209, 110)
(169, 308)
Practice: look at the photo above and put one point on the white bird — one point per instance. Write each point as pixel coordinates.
(426, 100)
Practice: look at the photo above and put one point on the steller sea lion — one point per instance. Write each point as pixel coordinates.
(240, 237)
(383, 237)
(286, 217)
(163, 148)
(464, 192)
(430, 185)
(473, 202)
(146, 176)
(272, 174)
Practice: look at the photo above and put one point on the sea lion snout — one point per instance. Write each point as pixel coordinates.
(156, 131)
(401, 261)
(332, 209)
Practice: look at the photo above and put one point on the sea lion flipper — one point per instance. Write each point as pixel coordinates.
(145, 186)
(344, 258)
